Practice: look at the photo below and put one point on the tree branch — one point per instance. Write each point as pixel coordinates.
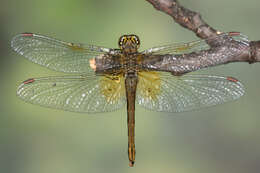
(185, 17)
(192, 20)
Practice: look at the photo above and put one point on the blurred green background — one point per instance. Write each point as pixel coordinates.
(33, 139)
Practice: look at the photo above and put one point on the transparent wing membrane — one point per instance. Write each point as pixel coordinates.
(160, 91)
(195, 46)
(75, 93)
(55, 54)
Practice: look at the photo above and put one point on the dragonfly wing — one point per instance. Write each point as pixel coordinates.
(55, 54)
(195, 46)
(161, 91)
(75, 93)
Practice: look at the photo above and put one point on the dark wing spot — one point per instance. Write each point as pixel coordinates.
(231, 79)
(234, 33)
(27, 34)
(28, 81)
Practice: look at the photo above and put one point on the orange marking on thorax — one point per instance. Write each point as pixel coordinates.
(92, 64)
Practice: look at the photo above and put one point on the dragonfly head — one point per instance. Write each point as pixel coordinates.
(129, 43)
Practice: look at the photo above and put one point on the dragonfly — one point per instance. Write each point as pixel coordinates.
(104, 79)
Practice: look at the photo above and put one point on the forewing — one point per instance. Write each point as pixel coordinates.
(195, 46)
(55, 54)
(75, 93)
(161, 91)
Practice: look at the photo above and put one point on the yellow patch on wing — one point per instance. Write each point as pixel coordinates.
(74, 46)
(149, 85)
(112, 87)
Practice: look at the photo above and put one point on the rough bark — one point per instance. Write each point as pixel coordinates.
(193, 21)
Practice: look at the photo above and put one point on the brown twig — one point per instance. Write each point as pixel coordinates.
(192, 20)
(185, 17)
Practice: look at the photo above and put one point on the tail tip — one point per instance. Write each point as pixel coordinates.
(131, 163)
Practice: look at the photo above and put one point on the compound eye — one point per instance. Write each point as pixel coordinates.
(121, 41)
(136, 39)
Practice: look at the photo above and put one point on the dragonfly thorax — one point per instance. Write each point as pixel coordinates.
(129, 43)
